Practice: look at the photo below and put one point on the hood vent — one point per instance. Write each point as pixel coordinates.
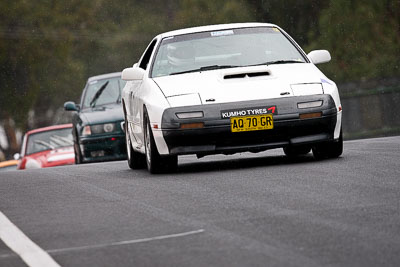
(244, 75)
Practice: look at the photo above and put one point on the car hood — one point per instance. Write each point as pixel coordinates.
(240, 84)
(49, 158)
(102, 114)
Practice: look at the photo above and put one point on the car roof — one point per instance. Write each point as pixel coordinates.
(217, 27)
(104, 76)
(49, 128)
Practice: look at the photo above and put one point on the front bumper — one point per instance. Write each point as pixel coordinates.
(216, 136)
(103, 148)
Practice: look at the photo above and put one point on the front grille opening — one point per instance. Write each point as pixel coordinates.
(244, 75)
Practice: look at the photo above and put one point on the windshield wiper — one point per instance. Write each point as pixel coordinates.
(97, 95)
(217, 67)
(276, 62)
(205, 68)
(283, 62)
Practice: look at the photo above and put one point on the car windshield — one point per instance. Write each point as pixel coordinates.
(102, 92)
(49, 140)
(224, 49)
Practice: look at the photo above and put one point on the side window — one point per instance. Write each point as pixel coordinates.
(146, 58)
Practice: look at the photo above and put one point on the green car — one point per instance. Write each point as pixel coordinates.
(97, 131)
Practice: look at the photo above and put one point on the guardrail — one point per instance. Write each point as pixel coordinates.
(371, 113)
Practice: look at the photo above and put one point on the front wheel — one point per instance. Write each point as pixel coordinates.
(78, 154)
(155, 162)
(77, 151)
(329, 150)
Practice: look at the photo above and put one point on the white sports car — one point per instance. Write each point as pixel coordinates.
(224, 89)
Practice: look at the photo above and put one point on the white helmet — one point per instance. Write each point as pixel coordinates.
(180, 55)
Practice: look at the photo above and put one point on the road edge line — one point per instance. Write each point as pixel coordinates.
(24, 247)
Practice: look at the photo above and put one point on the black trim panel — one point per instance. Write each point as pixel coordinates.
(216, 136)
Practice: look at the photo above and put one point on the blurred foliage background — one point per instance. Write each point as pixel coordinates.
(48, 48)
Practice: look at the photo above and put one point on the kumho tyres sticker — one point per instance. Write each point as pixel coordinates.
(225, 114)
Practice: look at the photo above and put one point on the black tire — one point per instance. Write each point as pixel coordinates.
(135, 159)
(329, 150)
(77, 150)
(295, 151)
(155, 162)
(78, 154)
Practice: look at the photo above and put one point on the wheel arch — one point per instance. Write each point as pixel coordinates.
(157, 134)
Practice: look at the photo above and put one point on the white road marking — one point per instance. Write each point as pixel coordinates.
(128, 241)
(17, 241)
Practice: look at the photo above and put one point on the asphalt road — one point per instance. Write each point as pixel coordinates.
(242, 210)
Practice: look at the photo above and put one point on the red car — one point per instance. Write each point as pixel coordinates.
(47, 147)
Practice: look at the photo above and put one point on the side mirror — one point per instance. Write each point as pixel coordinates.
(17, 156)
(71, 106)
(131, 74)
(319, 56)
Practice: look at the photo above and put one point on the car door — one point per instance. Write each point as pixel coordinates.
(138, 88)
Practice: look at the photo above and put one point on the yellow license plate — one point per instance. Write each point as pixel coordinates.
(252, 123)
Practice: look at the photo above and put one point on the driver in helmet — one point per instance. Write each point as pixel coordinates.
(181, 57)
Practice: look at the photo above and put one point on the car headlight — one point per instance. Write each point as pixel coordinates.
(99, 128)
(108, 127)
(307, 89)
(32, 164)
(87, 130)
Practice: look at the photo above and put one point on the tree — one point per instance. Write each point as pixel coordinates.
(297, 17)
(48, 49)
(36, 65)
(363, 38)
(204, 12)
